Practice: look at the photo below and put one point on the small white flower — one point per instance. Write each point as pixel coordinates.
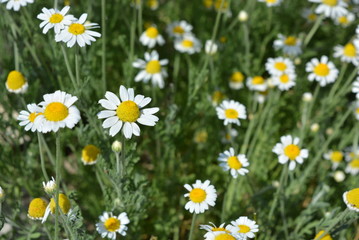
(339, 176)
(16, 82)
(188, 44)
(285, 81)
(243, 16)
(53, 18)
(290, 45)
(336, 157)
(50, 186)
(345, 20)
(307, 97)
(151, 37)
(231, 111)
(322, 71)
(16, 4)
(201, 196)
(179, 29)
(331, 8)
(278, 66)
(222, 235)
(210, 47)
(243, 228)
(27, 118)
(236, 164)
(348, 53)
(257, 83)
(309, 15)
(212, 229)
(236, 80)
(109, 225)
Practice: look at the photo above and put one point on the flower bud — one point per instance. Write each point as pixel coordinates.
(314, 127)
(211, 47)
(243, 16)
(50, 186)
(116, 146)
(339, 176)
(307, 97)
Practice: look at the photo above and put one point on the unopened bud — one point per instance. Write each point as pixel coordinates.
(243, 16)
(314, 127)
(307, 97)
(339, 176)
(116, 146)
(2, 195)
(211, 47)
(50, 186)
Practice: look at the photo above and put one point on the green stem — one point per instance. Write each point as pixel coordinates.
(48, 151)
(140, 19)
(192, 226)
(313, 30)
(331, 226)
(118, 163)
(42, 157)
(283, 176)
(247, 46)
(55, 4)
(68, 67)
(58, 179)
(77, 68)
(16, 54)
(338, 81)
(103, 15)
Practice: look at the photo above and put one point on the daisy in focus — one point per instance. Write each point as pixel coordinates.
(257, 83)
(188, 44)
(290, 45)
(37, 208)
(90, 154)
(16, 82)
(151, 37)
(355, 88)
(336, 157)
(110, 225)
(126, 112)
(285, 81)
(231, 111)
(53, 18)
(271, 3)
(179, 29)
(236, 80)
(348, 53)
(351, 199)
(16, 4)
(243, 228)
(331, 8)
(278, 66)
(236, 164)
(27, 118)
(64, 206)
(151, 69)
(322, 71)
(78, 32)
(201, 196)
(288, 149)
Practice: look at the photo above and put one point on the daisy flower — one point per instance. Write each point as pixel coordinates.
(271, 3)
(353, 166)
(348, 53)
(324, 237)
(290, 45)
(152, 4)
(78, 31)
(228, 136)
(351, 199)
(37, 208)
(53, 18)
(2, 194)
(201, 196)
(243, 228)
(322, 71)
(212, 228)
(336, 157)
(27, 118)
(16, 82)
(345, 20)
(288, 149)
(151, 37)
(331, 8)
(16, 4)
(285, 81)
(218, 235)
(211, 47)
(217, 97)
(236, 164)
(257, 83)
(179, 29)
(50, 186)
(90, 154)
(126, 112)
(58, 112)
(355, 88)
(188, 44)
(236, 80)
(278, 66)
(151, 69)
(64, 206)
(231, 111)
(309, 15)
(109, 225)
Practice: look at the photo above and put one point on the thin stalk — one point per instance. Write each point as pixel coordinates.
(331, 226)
(118, 163)
(55, 4)
(16, 56)
(77, 68)
(48, 151)
(140, 19)
(356, 137)
(338, 81)
(103, 25)
(192, 226)
(123, 156)
(42, 158)
(313, 30)
(68, 67)
(283, 176)
(58, 179)
(247, 46)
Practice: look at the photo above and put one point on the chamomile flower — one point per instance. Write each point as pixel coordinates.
(290, 45)
(243, 228)
(345, 20)
(236, 164)
(284, 81)
(212, 228)
(50, 186)
(353, 166)
(231, 111)
(126, 112)
(336, 157)
(152, 4)
(90, 154)
(309, 15)
(257, 83)
(322, 71)
(16, 4)
(16, 82)
(355, 87)
(151, 69)
(228, 137)
(110, 225)
(53, 18)
(64, 206)
(37, 208)
(351, 199)
(348, 53)
(217, 98)
(179, 29)
(236, 80)
(78, 32)
(188, 44)
(58, 112)
(331, 8)
(278, 66)
(27, 118)
(288, 149)
(271, 3)
(151, 37)
(324, 237)
(201, 196)
(219, 235)
(356, 110)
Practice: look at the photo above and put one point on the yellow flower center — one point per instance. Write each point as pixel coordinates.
(224, 236)
(187, 43)
(231, 113)
(325, 237)
(56, 18)
(64, 204)
(218, 4)
(153, 67)
(197, 195)
(343, 20)
(15, 80)
(152, 3)
(336, 156)
(208, 3)
(77, 29)
(290, 41)
(292, 151)
(257, 80)
(128, 111)
(281, 66)
(178, 30)
(284, 78)
(234, 163)
(331, 3)
(112, 224)
(90, 153)
(37, 208)
(322, 70)
(33, 115)
(152, 32)
(353, 197)
(237, 77)
(357, 110)
(217, 96)
(56, 112)
(312, 17)
(354, 163)
(271, 1)
(350, 50)
(219, 229)
(243, 228)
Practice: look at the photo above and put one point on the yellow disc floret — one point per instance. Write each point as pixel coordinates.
(322, 70)
(56, 112)
(77, 29)
(56, 18)
(64, 204)
(331, 3)
(350, 50)
(234, 163)
(292, 151)
(178, 30)
(33, 116)
(187, 43)
(237, 77)
(354, 163)
(112, 224)
(153, 67)
(197, 195)
(290, 41)
(15, 80)
(336, 156)
(224, 236)
(128, 111)
(37, 208)
(257, 80)
(284, 78)
(243, 228)
(152, 32)
(90, 153)
(324, 237)
(281, 66)
(353, 197)
(231, 113)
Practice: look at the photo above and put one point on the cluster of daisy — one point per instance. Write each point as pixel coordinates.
(111, 224)
(282, 72)
(16, 4)
(67, 28)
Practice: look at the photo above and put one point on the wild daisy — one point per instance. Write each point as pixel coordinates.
(50, 186)
(355, 88)
(126, 112)
(353, 166)
(218, 235)
(278, 66)
(16, 4)
(37, 208)
(78, 32)
(231, 111)
(217, 97)
(289, 149)
(151, 69)
(236, 80)
(331, 8)
(236, 164)
(271, 3)
(53, 18)
(179, 29)
(109, 225)
(64, 206)
(151, 37)
(322, 71)
(228, 136)
(336, 157)
(256, 83)
(211, 47)
(152, 4)
(243, 228)
(27, 118)
(90, 154)
(284, 81)
(345, 20)
(324, 237)
(212, 228)
(348, 53)
(309, 15)
(290, 45)
(201, 196)
(188, 44)
(16, 82)
(58, 112)
(351, 199)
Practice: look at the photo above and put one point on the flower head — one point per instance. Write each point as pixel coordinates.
(331, 8)
(351, 199)
(348, 53)
(345, 20)
(37, 208)
(243, 227)
(151, 37)
(53, 18)
(236, 80)
(211, 47)
(27, 118)
(64, 206)
(211, 229)
(90, 154)
(188, 44)
(336, 157)
(109, 225)
(231, 111)
(278, 66)
(284, 81)
(16, 82)
(257, 83)
(290, 45)
(50, 186)
(179, 29)
(201, 196)
(236, 164)
(16, 4)
(322, 71)
(271, 3)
